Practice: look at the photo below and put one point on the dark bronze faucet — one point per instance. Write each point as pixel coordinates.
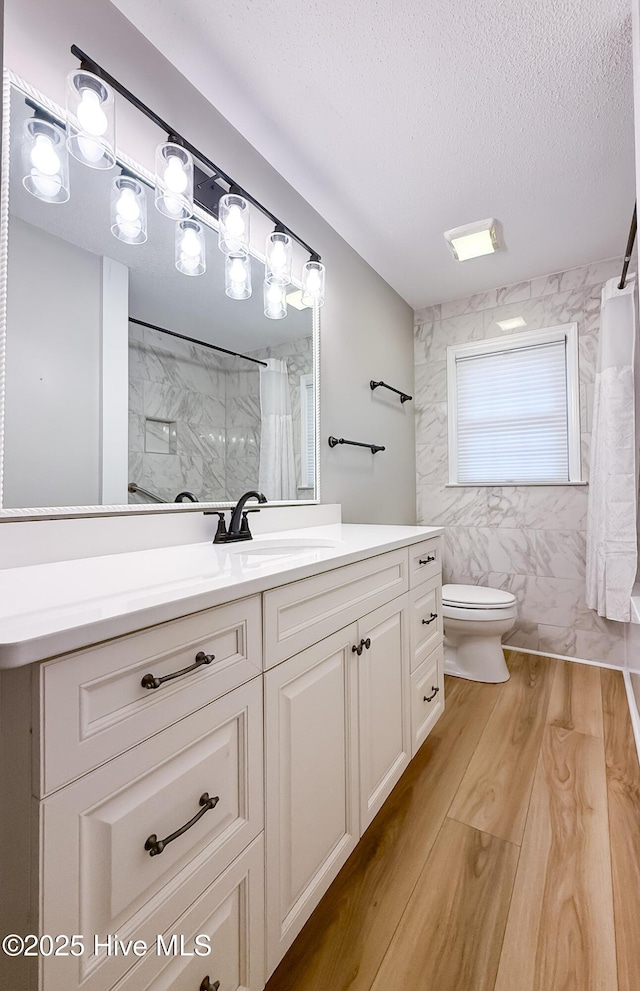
(239, 525)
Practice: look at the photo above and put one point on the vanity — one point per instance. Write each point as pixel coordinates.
(194, 740)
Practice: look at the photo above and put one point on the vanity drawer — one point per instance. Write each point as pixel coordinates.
(96, 875)
(427, 697)
(425, 561)
(230, 914)
(426, 620)
(95, 706)
(304, 612)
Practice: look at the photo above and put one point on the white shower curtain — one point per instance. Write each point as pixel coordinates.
(277, 475)
(611, 522)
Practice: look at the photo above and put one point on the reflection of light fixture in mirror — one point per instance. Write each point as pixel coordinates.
(190, 251)
(45, 160)
(278, 257)
(91, 120)
(233, 230)
(295, 299)
(237, 276)
(513, 323)
(174, 181)
(275, 303)
(313, 282)
(128, 210)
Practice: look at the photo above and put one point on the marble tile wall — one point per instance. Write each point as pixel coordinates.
(527, 539)
(214, 402)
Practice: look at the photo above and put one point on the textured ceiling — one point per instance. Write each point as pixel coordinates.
(399, 119)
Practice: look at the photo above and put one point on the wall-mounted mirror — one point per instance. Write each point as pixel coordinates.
(103, 404)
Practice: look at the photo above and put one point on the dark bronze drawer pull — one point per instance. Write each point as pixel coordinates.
(427, 560)
(150, 681)
(430, 698)
(425, 622)
(156, 846)
(208, 986)
(357, 649)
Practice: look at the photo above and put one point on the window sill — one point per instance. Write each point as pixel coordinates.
(505, 485)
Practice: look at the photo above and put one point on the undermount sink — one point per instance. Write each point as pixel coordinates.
(280, 548)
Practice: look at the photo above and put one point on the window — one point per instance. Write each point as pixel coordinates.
(514, 411)
(307, 433)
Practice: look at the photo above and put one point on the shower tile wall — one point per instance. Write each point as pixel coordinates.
(528, 539)
(214, 402)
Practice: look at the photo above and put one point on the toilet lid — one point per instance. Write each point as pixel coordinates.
(476, 596)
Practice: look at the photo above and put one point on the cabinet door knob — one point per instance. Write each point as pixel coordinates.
(427, 560)
(425, 622)
(149, 681)
(429, 698)
(154, 846)
(208, 986)
(358, 648)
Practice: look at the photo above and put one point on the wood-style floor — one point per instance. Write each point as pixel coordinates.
(506, 859)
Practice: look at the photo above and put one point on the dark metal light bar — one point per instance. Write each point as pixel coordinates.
(89, 65)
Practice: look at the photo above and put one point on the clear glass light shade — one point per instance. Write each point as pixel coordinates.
(237, 276)
(313, 283)
(190, 249)
(233, 217)
(91, 120)
(174, 181)
(45, 161)
(128, 210)
(278, 258)
(275, 301)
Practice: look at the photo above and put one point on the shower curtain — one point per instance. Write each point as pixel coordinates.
(611, 521)
(277, 474)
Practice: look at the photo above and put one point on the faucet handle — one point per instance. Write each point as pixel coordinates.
(221, 532)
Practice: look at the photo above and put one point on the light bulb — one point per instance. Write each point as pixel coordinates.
(44, 157)
(127, 207)
(274, 294)
(235, 221)
(313, 281)
(175, 177)
(238, 270)
(189, 262)
(91, 116)
(190, 243)
(278, 256)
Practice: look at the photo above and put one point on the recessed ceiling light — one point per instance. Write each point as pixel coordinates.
(512, 324)
(295, 299)
(472, 240)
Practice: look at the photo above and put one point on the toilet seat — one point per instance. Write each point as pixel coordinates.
(476, 597)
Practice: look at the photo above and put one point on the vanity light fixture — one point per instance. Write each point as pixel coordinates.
(90, 120)
(190, 250)
(234, 223)
(275, 300)
(313, 282)
(472, 240)
(45, 160)
(128, 210)
(237, 276)
(174, 181)
(278, 258)
(91, 138)
(512, 324)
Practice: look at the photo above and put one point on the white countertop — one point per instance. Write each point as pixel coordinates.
(50, 609)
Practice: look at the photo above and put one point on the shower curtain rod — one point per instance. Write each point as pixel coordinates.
(627, 254)
(192, 340)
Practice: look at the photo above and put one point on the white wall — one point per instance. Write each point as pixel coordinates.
(366, 327)
(52, 418)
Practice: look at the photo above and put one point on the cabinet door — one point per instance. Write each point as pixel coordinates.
(311, 781)
(383, 692)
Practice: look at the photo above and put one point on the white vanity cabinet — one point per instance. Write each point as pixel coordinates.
(256, 740)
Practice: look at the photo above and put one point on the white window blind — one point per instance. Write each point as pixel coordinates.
(307, 433)
(512, 419)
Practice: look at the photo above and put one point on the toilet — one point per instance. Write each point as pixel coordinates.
(475, 620)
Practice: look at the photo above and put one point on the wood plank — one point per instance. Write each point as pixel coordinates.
(623, 789)
(450, 936)
(494, 793)
(560, 932)
(345, 939)
(576, 699)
